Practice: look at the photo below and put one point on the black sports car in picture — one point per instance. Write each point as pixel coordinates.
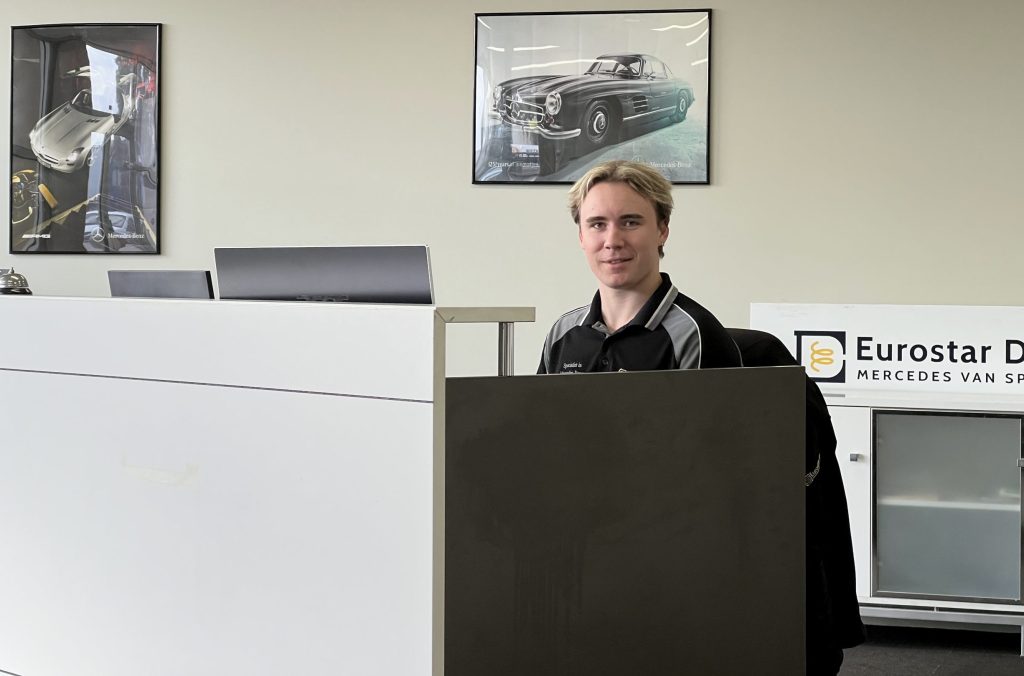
(617, 93)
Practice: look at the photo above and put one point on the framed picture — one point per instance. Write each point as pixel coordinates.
(559, 92)
(85, 139)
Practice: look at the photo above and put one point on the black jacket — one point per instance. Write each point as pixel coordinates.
(833, 614)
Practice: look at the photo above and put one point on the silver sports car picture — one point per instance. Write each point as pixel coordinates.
(85, 132)
(64, 139)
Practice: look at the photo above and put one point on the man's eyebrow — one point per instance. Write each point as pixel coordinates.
(632, 217)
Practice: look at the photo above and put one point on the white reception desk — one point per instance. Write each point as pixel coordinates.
(220, 487)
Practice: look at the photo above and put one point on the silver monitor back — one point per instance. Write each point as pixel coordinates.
(160, 284)
(353, 274)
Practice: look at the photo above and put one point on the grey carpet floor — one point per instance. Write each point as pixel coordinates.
(912, 651)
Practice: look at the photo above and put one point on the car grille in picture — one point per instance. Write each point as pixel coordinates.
(640, 104)
(523, 111)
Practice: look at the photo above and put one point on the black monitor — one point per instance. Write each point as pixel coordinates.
(160, 284)
(353, 274)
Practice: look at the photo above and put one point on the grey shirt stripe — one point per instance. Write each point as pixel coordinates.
(685, 334)
(663, 308)
(570, 319)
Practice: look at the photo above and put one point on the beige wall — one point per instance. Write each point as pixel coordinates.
(862, 152)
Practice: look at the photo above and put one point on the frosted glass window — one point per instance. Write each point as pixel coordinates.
(947, 505)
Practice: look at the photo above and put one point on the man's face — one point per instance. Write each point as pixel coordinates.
(620, 234)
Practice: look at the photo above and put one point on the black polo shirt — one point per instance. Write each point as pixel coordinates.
(671, 331)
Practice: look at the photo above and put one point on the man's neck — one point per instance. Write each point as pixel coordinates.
(619, 306)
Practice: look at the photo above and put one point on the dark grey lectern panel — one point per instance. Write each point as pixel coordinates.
(628, 523)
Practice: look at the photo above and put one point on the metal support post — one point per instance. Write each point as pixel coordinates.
(506, 353)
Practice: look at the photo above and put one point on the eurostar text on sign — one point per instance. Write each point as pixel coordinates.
(944, 348)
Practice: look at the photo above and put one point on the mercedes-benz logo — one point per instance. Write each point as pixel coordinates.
(98, 235)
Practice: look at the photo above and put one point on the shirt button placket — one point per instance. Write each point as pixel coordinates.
(605, 361)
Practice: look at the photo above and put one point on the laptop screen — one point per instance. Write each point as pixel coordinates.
(353, 274)
(160, 284)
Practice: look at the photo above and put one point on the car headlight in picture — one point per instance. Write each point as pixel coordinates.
(553, 103)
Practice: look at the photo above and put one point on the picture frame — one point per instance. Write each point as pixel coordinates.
(85, 139)
(557, 92)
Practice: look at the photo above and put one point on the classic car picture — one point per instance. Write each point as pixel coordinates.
(617, 92)
(562, 108)
(84, 139)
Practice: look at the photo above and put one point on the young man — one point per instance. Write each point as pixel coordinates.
(637, 321)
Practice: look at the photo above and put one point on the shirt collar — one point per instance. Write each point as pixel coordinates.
(650, 315)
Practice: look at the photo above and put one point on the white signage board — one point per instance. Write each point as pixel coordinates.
(935, 348)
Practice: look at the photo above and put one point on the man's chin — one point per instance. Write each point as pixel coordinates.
(627, 280)
(617, 282)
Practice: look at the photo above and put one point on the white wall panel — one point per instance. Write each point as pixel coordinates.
(167, 529)
(366, 350)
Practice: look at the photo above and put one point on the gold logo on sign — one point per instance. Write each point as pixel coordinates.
(823, 356)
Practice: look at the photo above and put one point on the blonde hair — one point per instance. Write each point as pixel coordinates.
(647, 181)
